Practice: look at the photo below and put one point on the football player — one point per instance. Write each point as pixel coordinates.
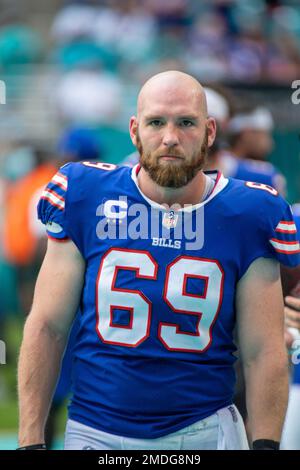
(163, 261)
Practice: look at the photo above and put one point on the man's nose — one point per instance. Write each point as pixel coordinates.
(170, 137)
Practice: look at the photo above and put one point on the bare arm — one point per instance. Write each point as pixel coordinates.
(56, 298)
(261, 338)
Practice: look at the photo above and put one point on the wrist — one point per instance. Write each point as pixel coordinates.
(265, 444)
(40, 446)
(26, 441)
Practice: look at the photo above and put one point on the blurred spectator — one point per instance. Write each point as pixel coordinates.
(207, 46)
(173, 12)
(20, 243)
(220, 107)
(79, 143)
(84, 53)
(251, 134)
(128, 30)
(89, 96)
(20, 48)
(19, 45)
(250, 143)
(73, 21)
(24, 239)
(247, 56)
(19, 159)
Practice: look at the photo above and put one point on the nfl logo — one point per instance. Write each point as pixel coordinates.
(170, 219)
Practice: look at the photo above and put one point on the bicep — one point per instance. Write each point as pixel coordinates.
(259, 305)
(59, 285)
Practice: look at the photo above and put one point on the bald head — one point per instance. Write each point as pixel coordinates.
(172, 130)
(170, 88)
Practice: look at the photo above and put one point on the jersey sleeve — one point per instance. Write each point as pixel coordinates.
(52, 205)
(283, 236)
(268, 227)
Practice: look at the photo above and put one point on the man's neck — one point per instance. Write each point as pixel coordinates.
(190, 194)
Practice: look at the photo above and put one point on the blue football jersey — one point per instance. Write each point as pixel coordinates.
(155, 350)
(252, 170)
(64, 383)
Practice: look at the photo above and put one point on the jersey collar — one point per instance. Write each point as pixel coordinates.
(220, 183)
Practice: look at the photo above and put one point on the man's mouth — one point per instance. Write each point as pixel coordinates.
(171, 157)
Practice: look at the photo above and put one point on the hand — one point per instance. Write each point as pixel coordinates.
(292, 312)
(288, 338)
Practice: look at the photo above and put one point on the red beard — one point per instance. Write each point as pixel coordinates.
(173, 175)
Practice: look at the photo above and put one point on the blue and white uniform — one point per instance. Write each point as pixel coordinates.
(155, 349)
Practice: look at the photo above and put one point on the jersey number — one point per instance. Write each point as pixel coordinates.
(204, 307)
(264, 187)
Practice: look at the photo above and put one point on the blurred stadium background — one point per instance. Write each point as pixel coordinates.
(72, 71)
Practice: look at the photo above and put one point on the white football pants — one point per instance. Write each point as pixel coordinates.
(291, 430)
(223, 430)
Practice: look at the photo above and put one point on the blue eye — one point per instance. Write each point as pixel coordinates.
(186, 123)
(156, 123)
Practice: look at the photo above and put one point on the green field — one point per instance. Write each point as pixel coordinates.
(8, 391)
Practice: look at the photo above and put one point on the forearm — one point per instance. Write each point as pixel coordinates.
(267, 394)
(39, 364)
